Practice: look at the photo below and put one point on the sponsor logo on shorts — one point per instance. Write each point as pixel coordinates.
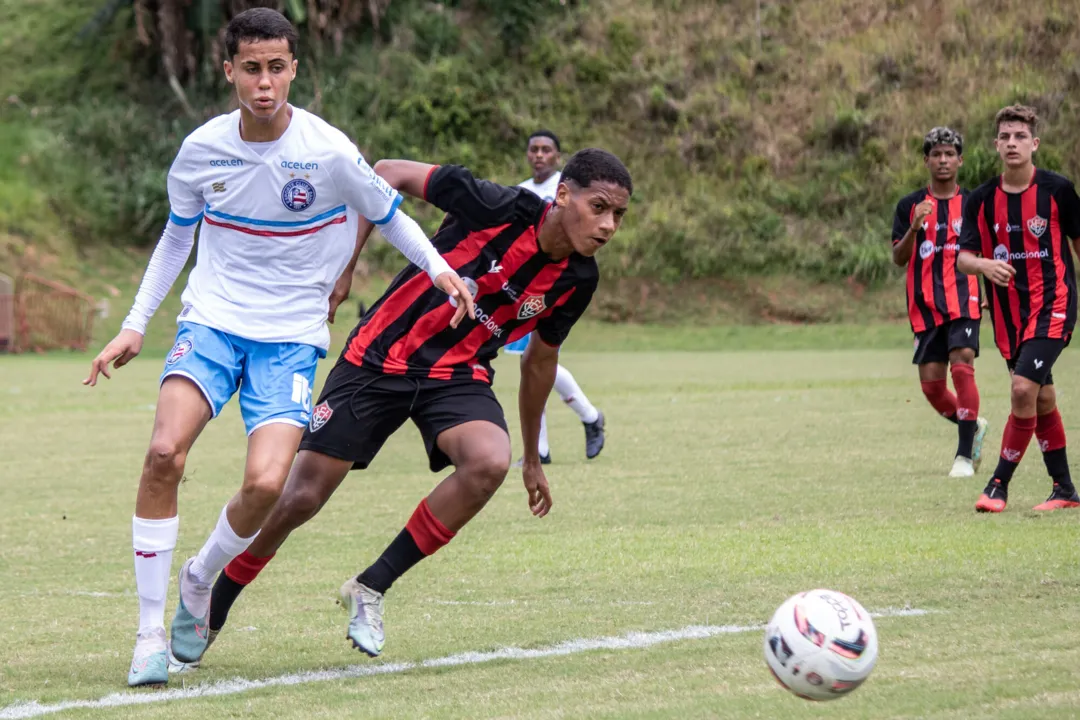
(531, 306)
(1039, 364)
(179, 350)
(320, 415)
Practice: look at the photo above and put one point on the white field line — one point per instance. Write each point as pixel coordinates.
(630, 641)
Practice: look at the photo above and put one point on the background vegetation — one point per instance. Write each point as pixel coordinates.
(769, 140)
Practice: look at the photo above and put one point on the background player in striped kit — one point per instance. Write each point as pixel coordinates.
(943, 303)
(543, 154)
(1021, 223)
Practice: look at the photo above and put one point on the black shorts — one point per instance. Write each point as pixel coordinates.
(935, 344)
(1035, 358)
(360, 408)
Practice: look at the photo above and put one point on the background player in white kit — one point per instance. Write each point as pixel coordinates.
(543, 153)
(278, 191)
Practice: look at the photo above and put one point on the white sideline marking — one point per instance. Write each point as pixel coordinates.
(630, 641)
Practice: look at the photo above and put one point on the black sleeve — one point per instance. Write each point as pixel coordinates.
(902, 220)
(553, 329)
(1068, 210)
(478, 204)
(970, 238)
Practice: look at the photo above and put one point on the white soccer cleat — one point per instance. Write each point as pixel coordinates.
(962, 467)
(365, 608)
(976, 446)
(149, 663)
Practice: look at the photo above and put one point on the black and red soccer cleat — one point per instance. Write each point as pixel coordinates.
(993, 498)
(1060, 499)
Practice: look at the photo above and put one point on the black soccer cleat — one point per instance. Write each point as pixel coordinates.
(594, 437)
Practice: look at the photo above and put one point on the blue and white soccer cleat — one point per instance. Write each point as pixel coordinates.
(190, 634)
(149, 663)
(365, 607)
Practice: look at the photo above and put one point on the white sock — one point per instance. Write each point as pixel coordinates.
(570, 392)
(544, 448)
(221, 547)
(153, 542)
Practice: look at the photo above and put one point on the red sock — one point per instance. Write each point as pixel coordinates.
(1015, 439)
(245, 567)
(937, 392)
(427, 532)
(1050, 431)
(967, 392)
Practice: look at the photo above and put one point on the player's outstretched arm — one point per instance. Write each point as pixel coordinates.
(538, 366)
(407, 176)
(165, 266)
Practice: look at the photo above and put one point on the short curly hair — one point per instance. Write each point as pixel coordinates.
(942, 136)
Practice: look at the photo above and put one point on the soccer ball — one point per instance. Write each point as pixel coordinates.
(821, 644)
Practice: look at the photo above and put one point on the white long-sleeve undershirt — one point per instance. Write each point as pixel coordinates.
(166, 264)
(403, 233)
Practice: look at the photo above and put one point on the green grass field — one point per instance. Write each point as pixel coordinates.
(730, 481)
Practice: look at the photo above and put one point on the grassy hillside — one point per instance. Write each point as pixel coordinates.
(766, 139)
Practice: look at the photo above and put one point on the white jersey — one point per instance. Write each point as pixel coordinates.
(546, 189)
(278, 225)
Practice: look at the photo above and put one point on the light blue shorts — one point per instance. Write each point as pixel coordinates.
(274, 379)
(518, 346)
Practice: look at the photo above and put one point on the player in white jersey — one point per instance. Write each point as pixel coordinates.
(278, 191)
(543, 153)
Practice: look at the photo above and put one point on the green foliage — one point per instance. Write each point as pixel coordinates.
(767, 147)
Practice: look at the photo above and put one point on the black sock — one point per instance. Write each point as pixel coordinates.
(967, 437)
(952, 418)
(1004, 472)
(1057, 464)
(395, 561)
(224, 594)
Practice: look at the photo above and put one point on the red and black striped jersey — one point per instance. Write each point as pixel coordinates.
(490, 237)
(1031, 231)
(937, 292)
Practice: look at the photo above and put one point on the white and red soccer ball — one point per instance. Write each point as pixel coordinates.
(821, 644)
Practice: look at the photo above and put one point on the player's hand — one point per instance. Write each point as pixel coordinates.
(922, 211)
(454, 286)
(999, 272)
(121, 350)
(985, 304)
(340, 293)
(536, 485)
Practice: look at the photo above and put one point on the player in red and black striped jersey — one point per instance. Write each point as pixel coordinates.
(943, 303)
(1021, 224)
(529, 266)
